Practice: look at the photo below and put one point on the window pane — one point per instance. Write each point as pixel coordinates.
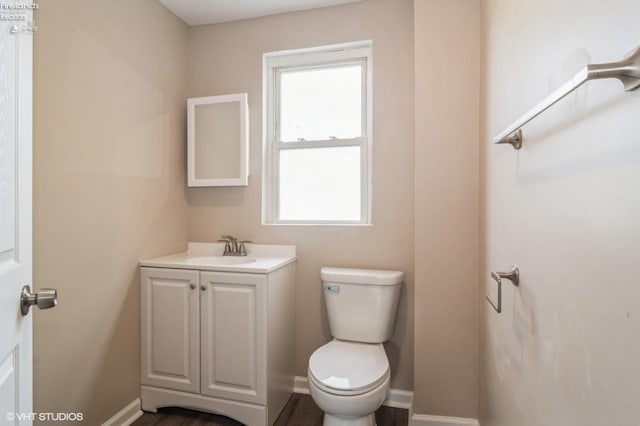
(320, 184)
(316, 104)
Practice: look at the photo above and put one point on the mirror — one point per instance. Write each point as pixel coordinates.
(218, 140)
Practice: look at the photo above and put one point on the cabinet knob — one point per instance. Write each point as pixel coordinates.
(192, 286)
(203, 287)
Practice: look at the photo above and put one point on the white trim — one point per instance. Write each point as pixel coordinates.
(427, 420)
(126, 416)
(318, 56)
(397, 398)
(332, 143)
(323, 56)
(301, 385)
(244, 412)
(243, 109)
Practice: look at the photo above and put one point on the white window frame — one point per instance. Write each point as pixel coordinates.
(317, 57)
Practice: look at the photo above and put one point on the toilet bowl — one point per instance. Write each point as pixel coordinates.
(349, 376)
(349, 381)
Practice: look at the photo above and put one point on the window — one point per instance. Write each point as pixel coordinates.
(317, 147)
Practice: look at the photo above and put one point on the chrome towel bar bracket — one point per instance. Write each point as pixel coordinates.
(512, 275)
(626, 70)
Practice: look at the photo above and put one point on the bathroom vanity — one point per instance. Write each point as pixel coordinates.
(218, 331)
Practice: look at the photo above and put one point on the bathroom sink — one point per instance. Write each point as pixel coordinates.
(262, 258)
(219, 260)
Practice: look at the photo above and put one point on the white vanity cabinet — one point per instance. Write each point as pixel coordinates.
(218, 341)
(170, 328)
(233, 338)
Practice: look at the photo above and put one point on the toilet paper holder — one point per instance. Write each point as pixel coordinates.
(512, 275)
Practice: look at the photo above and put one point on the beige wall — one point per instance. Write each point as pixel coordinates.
(447, 58)
(110, 81)
(109, 183)
(227, 58)
(110, 89)
(565, 209)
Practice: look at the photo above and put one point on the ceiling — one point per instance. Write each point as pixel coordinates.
(200, 12)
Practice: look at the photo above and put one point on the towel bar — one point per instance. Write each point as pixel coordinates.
(626, 70)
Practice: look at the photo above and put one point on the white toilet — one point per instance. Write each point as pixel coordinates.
(349, 376)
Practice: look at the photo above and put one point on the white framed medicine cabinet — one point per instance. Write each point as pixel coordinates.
(218, 140)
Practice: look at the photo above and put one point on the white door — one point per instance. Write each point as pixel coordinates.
(233, 336)
(170, 328)
(15, 220)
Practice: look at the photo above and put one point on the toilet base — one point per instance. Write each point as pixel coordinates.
(355, 410)
(333, 420)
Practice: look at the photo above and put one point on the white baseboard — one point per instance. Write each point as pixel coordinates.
(301, 385)
(397, 398)
(427, 420)
(126, 416)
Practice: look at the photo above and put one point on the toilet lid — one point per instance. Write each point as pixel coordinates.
(349, 366)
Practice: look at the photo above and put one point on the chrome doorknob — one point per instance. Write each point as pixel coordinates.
(44, 299)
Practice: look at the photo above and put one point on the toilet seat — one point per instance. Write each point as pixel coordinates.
(348, 368)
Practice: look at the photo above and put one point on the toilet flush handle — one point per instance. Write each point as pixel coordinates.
(332, 288)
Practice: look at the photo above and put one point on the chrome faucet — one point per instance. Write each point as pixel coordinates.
(233, 247)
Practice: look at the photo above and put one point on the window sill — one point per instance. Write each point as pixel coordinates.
(309, 224)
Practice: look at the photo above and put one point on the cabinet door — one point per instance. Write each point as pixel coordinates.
(233, 338)
(170, 328)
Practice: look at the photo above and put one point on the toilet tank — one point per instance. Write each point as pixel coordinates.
(361, 303)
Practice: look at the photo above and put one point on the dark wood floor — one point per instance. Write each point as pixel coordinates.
(299, 411)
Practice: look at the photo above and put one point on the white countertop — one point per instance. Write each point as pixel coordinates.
(268, 258)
